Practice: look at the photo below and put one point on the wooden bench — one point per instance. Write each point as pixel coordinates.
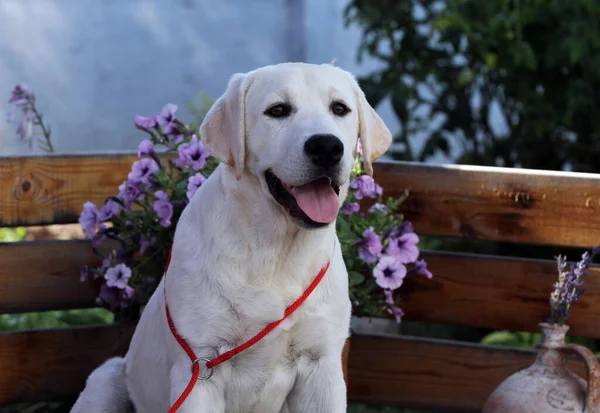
(502, 205)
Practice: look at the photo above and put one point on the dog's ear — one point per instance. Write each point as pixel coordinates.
(375, 137)
(223, 130)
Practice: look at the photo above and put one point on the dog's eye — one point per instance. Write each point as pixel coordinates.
(339, 109)
(280, 110)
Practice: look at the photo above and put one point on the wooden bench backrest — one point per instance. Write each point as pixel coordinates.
(528, 207)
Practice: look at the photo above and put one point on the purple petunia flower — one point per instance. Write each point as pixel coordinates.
(421, 268)
(406, 227)
(106, 263)
(129, 192)
(25, 128)
(396, 312)
(393, 309)
(118, 276)
(24, 101)
(359, 150)
(193, 153)
(115, 298)
(166, 115)
(83, 273)
(389, 272)
(365, 187)
(108, 296)
(21, 94)
(89, 219)
(379, 208)
(404, 247)
(146, 244)
(99, 237)
(126, 295)
(109, 210)
(194, 183)
(163, 208)
(143, 170)
(350, 208)
(167, 121)
(145, 122)
(146, 147)
(370, 246)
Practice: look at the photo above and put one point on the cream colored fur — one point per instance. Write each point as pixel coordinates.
(239, 260)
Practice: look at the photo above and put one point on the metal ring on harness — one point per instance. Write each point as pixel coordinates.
(210, 370)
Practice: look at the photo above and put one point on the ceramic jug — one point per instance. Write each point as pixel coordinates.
(548, 386)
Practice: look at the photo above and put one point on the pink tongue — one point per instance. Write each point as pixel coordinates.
(318, 200)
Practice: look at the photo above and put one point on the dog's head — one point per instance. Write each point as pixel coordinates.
(296, 126)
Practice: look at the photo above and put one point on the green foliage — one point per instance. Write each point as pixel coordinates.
(12, 234)
(449, 65)
(367, 296)
(528, 340)
(54, 319)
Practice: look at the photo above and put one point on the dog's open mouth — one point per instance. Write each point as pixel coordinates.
(316, 203)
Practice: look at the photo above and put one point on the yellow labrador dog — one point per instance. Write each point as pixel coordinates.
(251, 240)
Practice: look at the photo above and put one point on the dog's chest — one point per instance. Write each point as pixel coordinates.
(263, 376)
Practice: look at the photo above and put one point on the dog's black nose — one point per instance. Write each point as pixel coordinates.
(324, 150)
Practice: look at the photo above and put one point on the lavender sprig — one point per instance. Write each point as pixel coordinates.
(24, 101)
(569, 287)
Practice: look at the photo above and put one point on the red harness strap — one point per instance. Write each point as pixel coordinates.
(228, 355)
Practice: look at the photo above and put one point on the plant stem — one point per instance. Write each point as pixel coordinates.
(45, 130)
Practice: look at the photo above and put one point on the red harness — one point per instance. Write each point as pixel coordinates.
(228, 355)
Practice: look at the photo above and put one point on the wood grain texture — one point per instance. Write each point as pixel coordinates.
(515, 205)
(53, 189)
(500, 204)
(402, 371)
(53, 364)
(430, 374)
(44, 275)
(495, 292)
(467, 289)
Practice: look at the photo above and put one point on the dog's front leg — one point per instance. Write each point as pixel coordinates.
(319, 387)
(206, 397)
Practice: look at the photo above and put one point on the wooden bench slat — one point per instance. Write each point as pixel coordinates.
(53, 189)
(408, 372)
(495, 292)
(501, 204)
(430, 374)
(44, 275)
(467, 289)
(54, 364)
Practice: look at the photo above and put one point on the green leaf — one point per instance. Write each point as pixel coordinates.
(491, 60)
(465, 77)
(355, 278)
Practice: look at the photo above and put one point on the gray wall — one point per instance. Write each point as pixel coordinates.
(94, 64)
